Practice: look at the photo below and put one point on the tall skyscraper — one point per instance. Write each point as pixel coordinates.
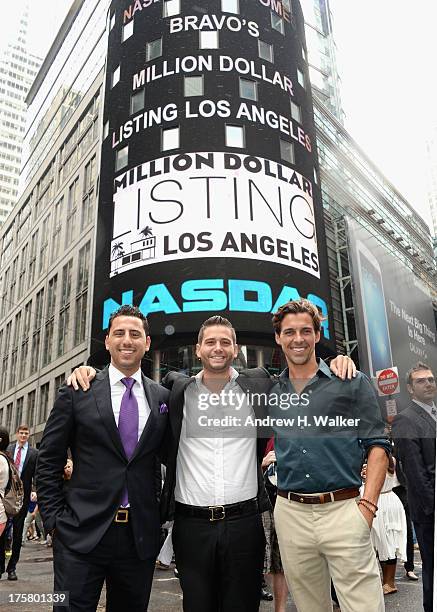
(18, 69)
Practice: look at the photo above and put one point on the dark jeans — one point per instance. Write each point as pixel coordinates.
(114, 559)
(220, 563)
(17, 535)
(425, 539)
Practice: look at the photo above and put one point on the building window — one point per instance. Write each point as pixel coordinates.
(209, 40)
(32, 260)
(31, 402)
(277, 22)
(153, 49)
(248, 89)
(296, 111)
(235, 136)
(59, 382)
(43, 403)
(137, 101)
(19, 413)
(64, 313)
(287, 151)
(301, 78)
(50, 320)
(57, 229)
(44, 245)
(82, 294)
(287, 5)
(265, 51)
(73, 197)
(88, 195)
(115, 77)
(128, 30)
(121, 158)
(171, 8)
(9, 410)
(193, 86)
(170, 139)
(230, 6)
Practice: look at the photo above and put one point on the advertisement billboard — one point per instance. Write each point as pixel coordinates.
(209, 199)
(393, 311)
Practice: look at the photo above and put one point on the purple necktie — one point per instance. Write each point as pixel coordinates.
(128, 424)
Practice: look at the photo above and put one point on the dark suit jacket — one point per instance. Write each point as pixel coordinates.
(414, 431)
(27, 473)
(254, 381)
(83, 511)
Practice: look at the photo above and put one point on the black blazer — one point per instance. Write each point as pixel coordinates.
(255, 381)
(27, 473)
(414, 431)
(83, 511)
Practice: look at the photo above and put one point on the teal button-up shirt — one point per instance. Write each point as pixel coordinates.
(328, 431)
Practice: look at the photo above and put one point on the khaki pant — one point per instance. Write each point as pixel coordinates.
(320, 541)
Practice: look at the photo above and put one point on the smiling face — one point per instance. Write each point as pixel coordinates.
(423, 386)
(298, 339)
(22, 436)
(217, 349)
(127, 342)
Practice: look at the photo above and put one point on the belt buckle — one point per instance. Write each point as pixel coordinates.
(122, 515)
(216, 518)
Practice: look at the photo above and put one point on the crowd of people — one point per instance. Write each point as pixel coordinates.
(240, 502)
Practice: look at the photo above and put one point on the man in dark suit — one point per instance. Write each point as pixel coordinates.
(414, 431)
(24, 457)
(105, 525)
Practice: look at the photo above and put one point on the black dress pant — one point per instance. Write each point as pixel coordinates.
(114, 559)
(401, 492)
(425, 539)
(17, 535)
(220, 563)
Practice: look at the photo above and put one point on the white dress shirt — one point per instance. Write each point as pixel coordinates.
(117, 392)
(215, 470)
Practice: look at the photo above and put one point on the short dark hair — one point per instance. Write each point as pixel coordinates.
(417, 367)
(297, 307)
(24, 427)
(4, 439)
(129, 311)
(216, 320)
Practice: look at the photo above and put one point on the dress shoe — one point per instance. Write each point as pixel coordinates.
(12, 575)
(411, 576)
(265, 594)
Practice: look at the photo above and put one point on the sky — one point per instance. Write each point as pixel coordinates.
(386, 50)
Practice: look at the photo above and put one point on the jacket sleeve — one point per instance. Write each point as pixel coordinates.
(170, 378)
(51, 458)
(409, 450)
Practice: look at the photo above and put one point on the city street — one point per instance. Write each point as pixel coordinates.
(35, 576)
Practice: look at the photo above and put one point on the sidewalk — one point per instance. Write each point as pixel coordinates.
(35, 575)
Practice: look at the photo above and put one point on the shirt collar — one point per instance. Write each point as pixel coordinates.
(25, 445)
(322, 369)
(115, 375)
(199, 377)
(427, 407)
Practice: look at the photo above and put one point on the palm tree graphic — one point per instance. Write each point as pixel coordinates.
(147, 231)
(117, 250)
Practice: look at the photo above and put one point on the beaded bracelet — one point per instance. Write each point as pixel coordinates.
(362, 503)
(371, 503)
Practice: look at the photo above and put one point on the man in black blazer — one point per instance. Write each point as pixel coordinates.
(414, 431)
(24, 457)
(105, 524)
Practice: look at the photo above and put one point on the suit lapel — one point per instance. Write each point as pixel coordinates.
(152, 400)
(176, 412)
(423, 414)
(26, 461)
(101, 391)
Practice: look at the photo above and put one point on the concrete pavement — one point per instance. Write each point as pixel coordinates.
(35, 575)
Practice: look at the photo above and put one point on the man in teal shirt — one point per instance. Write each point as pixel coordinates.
(323, 526)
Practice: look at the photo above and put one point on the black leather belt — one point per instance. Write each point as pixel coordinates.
(321, 498)
(218, 513)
